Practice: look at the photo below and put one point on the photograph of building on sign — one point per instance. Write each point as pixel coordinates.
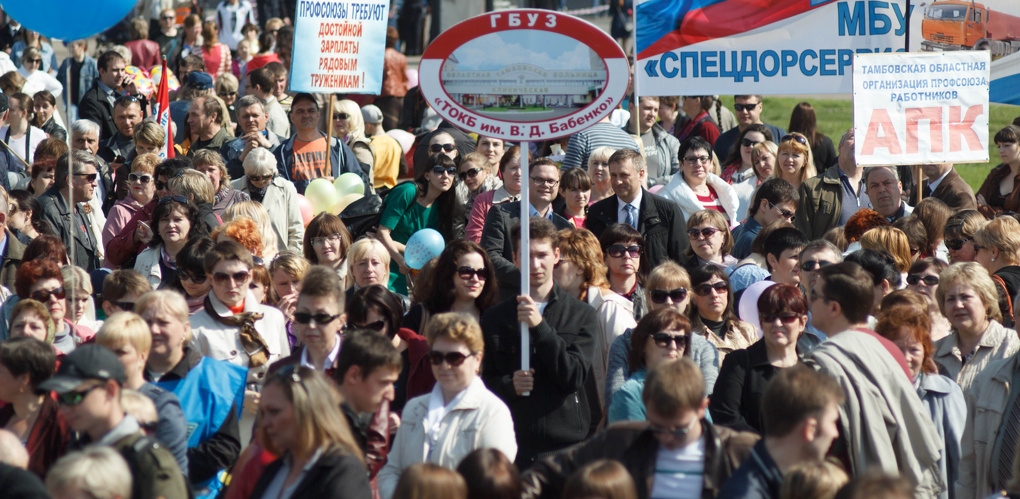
(524, 75)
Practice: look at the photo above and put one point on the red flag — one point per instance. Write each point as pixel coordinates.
(163, 111)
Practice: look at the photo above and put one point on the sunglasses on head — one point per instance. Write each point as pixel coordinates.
(677, 295)
(664, 340)
(957, 244)
(809, 265)
(929, 280)
(745, 107)
(785, 318)
(188, 276)
(89, 177)
(749, 143)
(74, 397)
(799, 138)
(167, 18)
(439, 170)
(619, 250)
(44, 296)
(321, 319)
(125, 98)
(223, 277)
(705, 289)
(167, 199)
(442, 147)
(453, 358)
(141, 178)
(466, 273)
(705, 233)
(469, 173)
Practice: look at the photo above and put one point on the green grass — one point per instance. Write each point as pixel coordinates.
(836, 115)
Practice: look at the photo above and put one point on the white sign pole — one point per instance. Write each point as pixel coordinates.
(525, 255)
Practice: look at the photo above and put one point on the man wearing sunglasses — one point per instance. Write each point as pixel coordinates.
(305, 156)
(496, 240)
(562, 329)
(252, 118)
(885, 192)
(675, 453)
(775, 200)
(747, 109)
(77, 235)
(88, 388)
(830, 199)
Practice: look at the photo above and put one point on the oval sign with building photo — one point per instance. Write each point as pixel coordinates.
(524, 74)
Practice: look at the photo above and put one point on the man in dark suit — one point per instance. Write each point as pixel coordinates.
(943, 183)
(658, 219)
(97, 103)
(543, 187)
(77, 235)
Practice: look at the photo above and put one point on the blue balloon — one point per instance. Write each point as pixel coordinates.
(68, 19)
(423, 246)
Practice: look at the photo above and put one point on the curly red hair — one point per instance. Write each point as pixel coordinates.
(909, 322)
(861, 222)
(243, 230)
(34, 271)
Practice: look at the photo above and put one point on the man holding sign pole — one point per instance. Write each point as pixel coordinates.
(558, 413)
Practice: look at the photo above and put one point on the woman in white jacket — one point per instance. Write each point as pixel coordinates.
(460, 415)
(695, 188)
(277, 194)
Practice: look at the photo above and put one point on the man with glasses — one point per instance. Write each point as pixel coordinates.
(543, 187)
(774, 200)
(885, 192)
(557, 413)
(309, 154)
(886, 421)
(830, 199)
(658, 219)
(97, 103)
(747, 109)
(88, 385)
(77, 236)
(121, 289)
(675, 453)
(252, 118)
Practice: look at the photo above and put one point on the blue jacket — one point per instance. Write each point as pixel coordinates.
(759, 477)
(341, 157)
(944, 400)
(627, 404)
(703, 354)
(88, 74)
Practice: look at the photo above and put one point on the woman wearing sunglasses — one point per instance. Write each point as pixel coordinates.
(175, 221)
(796, 162)
(711, 240)
(278, 196)
(923, 279)
(740, 167)
(463, 280)
(300, 421)
(713, 316)
(33, 417)
(459, 415)
(349, 126)
(474, 179)
(660, 336)
(318, 321)
(996, 245)
(668, 287)
(430, 202)
(696, 188)
(42, 281)
(622, 249)
(959, 235)
(190, 278)
(736, 401)
(141, 191)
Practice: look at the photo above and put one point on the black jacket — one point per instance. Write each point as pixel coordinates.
(660, 222)
(337, 474)
(557, 413)
(21, 484)
(11, 259)
(96, 108)
(736, 398)
(83, 242)
(635, 447)
(496, 241)
(758, 478)
(465, 145)
(1010, 277)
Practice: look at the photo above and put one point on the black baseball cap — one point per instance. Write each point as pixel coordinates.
(5, 103)
(87, 362)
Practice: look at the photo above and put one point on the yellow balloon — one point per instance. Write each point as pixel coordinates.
(348, 183)
(344, 202)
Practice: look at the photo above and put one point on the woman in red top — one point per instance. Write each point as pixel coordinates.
(216, 55)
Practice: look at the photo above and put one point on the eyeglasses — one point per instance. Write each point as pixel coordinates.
(34, 61)
(222, 277)
(809, 265)
(694, 160)
(13, 208)
(320, 241)
(929, 280)
(124, 305)
(44, 296)
(320, 319)
(675, 432)
(261, 178)
(466, 273)
(664, 340)
(453, 358)
(799, 138)
(677, 295)
(442, 147)
(785, 318)
(143, 178)
(188, 276)
(957, 244)
(619, 250)
(89, 177)
(167, 18)
(705, 289)
(166, 199)
(787, 214)
(978, 247)
(226, 94)
(469, 173)
(374, 326)
(705, 233)
(439, 170)
(749, 143)
(74, 398)
(341, 116)
(548, 182)
(746, 107)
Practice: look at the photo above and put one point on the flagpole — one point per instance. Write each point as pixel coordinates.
(525, 252)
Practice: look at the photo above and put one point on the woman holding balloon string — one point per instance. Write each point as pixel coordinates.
(430, 202)
(277, 194)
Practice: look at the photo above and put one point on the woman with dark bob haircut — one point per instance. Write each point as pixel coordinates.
(736, 401)
(175, 221)
(623, 248)
(490, 475)
(712, 315)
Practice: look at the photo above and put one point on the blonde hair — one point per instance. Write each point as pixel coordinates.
(667, 275)
(977, 278)
(291, 263)
(813, 480)
(138, 406)
(193, 183)
(150, 133)
(891, 239)
(716, 219)
(75, 279)
(256, 212)
(146, 163)
(356, 122)
(29, 305)
(809, 170)
(98, 471)
(361, 249)
(210, 157)
(170, 302)
(125, 328)
(456, 327)
(1002, 233)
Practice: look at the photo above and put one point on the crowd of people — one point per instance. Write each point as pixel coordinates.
(717, 307)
